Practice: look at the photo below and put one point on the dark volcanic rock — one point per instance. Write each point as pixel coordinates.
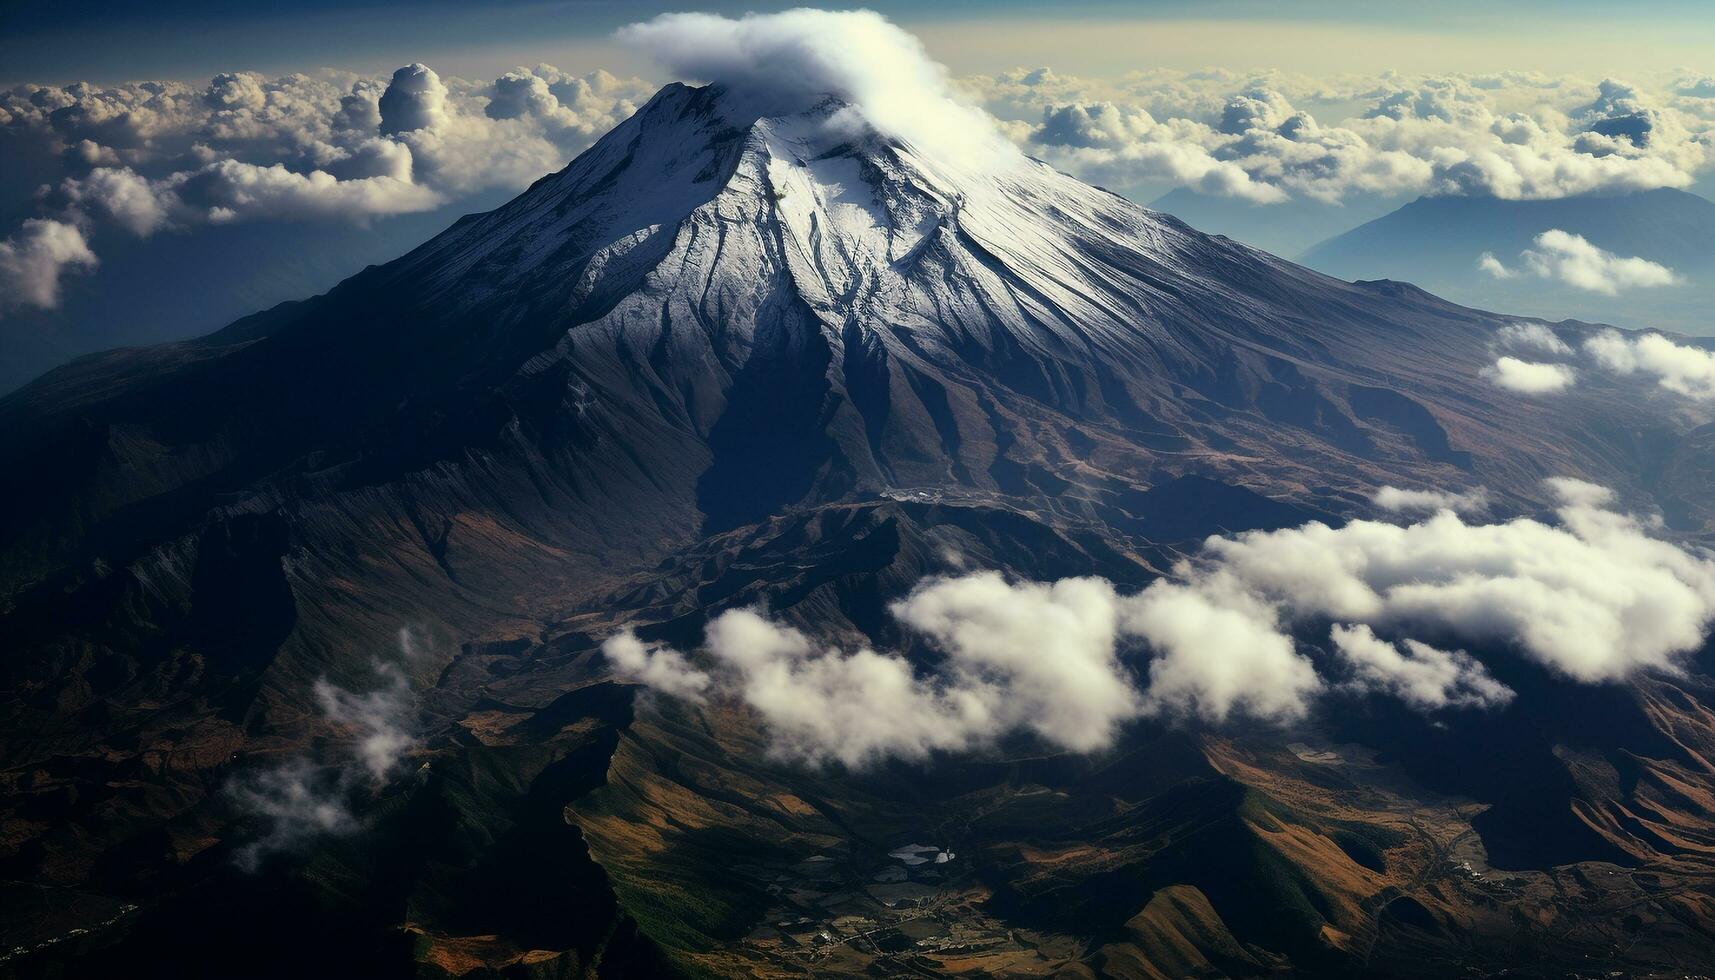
(711, 363)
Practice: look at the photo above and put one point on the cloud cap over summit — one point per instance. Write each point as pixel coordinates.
(776, 64)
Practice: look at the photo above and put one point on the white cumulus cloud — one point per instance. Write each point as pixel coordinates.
(414, 100)
(1594, 598)
(1219, 651)
(1508, 135)
(155, 156)
(32, 261)
(1495, 267)
(1529, 377)
(120, 195)
(1106, 143)
(1573, 260)
(1051, 645)
(1018, 657)
(1679, 368)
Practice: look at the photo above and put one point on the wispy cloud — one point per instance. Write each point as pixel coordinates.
(1531, 337)
(1415, 672)
(1495, 267)
(299, 800)
(1424, 501)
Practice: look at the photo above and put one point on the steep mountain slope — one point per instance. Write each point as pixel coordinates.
(916, 327)
(1435, 242)
(720, 360)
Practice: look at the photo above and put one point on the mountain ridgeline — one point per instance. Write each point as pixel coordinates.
(1436, 242)
(717, 361)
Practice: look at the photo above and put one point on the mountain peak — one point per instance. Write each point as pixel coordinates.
(825, 195)
(710, 316)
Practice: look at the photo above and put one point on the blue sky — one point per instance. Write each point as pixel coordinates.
(117, 41)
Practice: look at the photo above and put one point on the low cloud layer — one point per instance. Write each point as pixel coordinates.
(656, 667)
(298, 801)
(1594, 598)
(1019, 657)
(1267, 137)
(1573, 260)
(787, 62)
(1109, 144)
(153, 157)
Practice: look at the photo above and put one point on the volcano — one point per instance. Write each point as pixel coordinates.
(723, 359)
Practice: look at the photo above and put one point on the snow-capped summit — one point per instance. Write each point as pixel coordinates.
(712, 315)
(905, 321)
(722, 358)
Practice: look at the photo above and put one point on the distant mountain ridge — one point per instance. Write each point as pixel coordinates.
(696, 323)
(1662, 225)
(1436, 241)
(720, 362)
(1286, 228)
